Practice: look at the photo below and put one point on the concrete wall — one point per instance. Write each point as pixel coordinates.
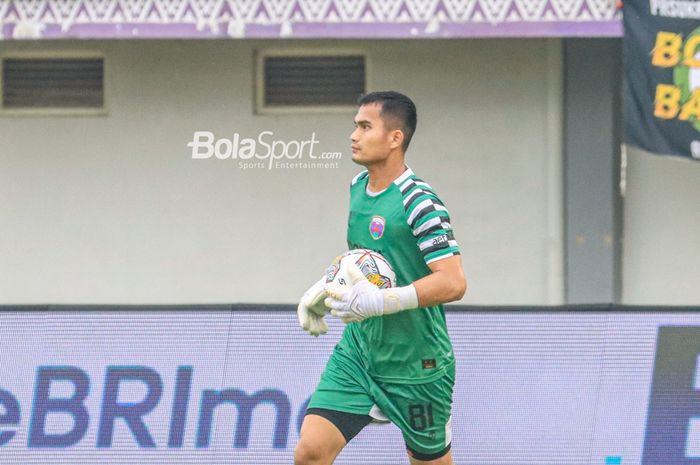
(661, 253)
(112, 209)
(593, 205)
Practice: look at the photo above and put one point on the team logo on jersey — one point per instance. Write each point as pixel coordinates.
(376, 227)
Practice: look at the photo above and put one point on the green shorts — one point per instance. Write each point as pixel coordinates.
(421, 411)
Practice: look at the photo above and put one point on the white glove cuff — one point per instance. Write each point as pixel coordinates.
(397, 299)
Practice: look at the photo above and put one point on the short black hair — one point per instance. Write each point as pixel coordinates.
(396, 108)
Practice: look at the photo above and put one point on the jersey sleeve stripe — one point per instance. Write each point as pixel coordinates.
(444, 216)
(429, 226)
(419, 204)
(423, 213)
(406, 186)
(405, 175)
(413, 189)
(446, 239)
(414, 196)
(414, 182)
(440, 255)
(424, 208)
(440, 246)
(435, 248)
(433, 229)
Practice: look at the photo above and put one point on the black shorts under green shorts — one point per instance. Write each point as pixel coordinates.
(421, 411)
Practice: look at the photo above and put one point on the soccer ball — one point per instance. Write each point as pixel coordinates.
(372, 264)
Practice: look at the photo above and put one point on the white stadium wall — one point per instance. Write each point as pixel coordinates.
(113, 209)
(661, 253)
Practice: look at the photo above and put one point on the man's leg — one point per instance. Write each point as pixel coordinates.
(423, 414)
(444, 460)
(337, 411)
(320, 442)
(324, 433)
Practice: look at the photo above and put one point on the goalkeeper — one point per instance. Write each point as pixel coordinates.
(395, 360)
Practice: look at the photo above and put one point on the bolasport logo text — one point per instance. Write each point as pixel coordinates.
(263, 152)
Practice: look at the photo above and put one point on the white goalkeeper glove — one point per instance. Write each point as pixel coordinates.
(312, 309)
(365, 300)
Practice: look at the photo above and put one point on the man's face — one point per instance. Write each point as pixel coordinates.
(371, 140)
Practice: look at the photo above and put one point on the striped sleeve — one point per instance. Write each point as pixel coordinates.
(429, 220)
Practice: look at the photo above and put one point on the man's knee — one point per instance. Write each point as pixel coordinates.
(307, 453)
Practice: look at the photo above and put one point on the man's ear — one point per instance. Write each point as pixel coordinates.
(396, 138)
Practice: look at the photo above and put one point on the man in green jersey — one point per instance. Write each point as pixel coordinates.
(395, 360)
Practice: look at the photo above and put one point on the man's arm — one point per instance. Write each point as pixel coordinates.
(445, 284)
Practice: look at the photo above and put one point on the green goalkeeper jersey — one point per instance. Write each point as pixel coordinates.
(409, 225)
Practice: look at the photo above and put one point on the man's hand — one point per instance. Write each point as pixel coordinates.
(365, 300)
(312, 309)
(362, 300)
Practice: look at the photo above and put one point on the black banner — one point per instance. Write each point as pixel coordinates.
(662, 76)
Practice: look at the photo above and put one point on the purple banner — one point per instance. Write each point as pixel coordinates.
(103, 19)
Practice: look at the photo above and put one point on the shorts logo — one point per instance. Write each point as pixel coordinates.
(429, 364)
(376, 227)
